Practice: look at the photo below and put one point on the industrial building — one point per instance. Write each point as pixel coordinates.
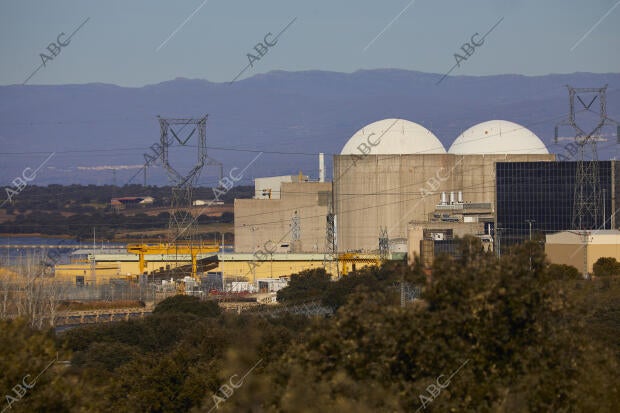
(409, 177)
(238, 267)
(429, 239)
(582, 249)
(293, 221)
(543, 193)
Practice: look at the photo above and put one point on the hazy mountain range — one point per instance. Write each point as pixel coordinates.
(291, 116)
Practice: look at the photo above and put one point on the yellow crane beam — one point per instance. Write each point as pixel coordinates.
(171, 249)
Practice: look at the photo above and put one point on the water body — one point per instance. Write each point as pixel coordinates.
(57, 253)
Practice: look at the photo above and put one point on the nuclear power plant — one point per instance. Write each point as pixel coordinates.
(397, 192)
(396, 189)
(389, 174)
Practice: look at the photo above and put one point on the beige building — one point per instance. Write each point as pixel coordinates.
(296, 222)
(576, 248)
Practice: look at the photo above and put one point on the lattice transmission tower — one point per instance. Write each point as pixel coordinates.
(182, 224)
(295, 233)
(587, 204)
(330, 257)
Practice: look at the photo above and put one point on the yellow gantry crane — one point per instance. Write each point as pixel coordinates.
(191, 249)
(349, 258)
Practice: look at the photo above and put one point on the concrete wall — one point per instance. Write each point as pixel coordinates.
(568, 254)
(261, 224)
(375, 191)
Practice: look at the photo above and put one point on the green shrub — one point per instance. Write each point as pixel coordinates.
(563, 272)
(305, 286)
(188, 305)
(606, 266)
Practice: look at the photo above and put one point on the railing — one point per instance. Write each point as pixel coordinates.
(100, 316)
(313, 308)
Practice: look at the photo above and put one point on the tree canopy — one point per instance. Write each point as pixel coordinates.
(606, 266)
(514, 334)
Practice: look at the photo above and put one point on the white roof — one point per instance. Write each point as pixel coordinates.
(601, 236)
(392, 137)
(498, 137)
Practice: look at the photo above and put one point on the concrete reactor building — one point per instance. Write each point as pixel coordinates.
(394, 172)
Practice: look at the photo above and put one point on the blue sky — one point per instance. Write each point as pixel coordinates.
(121, 43)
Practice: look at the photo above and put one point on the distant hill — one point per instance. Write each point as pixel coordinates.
(94, 125)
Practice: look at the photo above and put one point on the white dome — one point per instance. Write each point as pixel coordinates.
(497, 137)
(392, 137)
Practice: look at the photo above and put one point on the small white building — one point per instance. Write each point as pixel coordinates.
(269, 187)
(271, 285)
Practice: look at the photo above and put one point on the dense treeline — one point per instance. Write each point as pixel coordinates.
(489, 335)
(88, 198)
(606, 266)
(81, 226)
(43, 209)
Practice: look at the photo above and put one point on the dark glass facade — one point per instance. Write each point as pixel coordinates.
(450, 247)
(543, 192)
